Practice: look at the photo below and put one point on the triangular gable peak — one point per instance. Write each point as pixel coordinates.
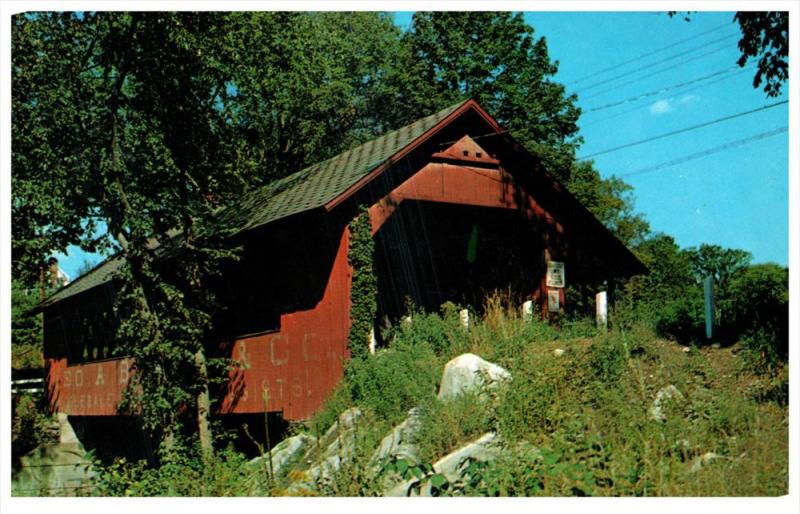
(466, 150)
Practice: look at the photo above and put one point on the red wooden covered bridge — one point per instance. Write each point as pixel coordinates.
(458, 209)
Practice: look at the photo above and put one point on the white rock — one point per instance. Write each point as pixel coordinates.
(285, 452)
(485, 448)
(468, 372)
(558, 352)
(704, 460)
(686, 349)
(669, 393)
(399, 442)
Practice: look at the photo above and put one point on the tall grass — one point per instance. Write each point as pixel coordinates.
(575, 422)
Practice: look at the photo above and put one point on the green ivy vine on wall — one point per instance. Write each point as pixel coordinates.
(364, 287)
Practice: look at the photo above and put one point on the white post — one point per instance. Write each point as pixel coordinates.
(372, 341)
(464, 314)
(527, 311)
(601, 307)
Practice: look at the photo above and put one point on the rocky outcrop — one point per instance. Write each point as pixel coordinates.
(55, 469)
(468, 372)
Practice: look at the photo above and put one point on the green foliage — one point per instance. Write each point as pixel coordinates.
(394, 380)
(26, 331)
(364, 285)
(765, 36)
(29, 426)
(533, 404)
(683, 318)
(303, 86)
(608, 358)
(446, 425)
(761, 311)
(442, 332)
(182, 472)
(610, 200)
(495, 58)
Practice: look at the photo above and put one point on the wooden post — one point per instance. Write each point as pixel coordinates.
(464, 315)
(601, 308)
(527, 311)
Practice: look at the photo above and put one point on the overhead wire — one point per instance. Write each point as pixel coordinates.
(682, 130)
(638, 107)
(709, 151)
(656, 63)
(647, 54)
(657, 72)
(662, 90)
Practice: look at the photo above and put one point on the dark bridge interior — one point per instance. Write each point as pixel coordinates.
(428, 253)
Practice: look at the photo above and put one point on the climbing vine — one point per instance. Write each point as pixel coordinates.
(364, 289)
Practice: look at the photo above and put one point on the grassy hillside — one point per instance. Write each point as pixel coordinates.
(576, 423)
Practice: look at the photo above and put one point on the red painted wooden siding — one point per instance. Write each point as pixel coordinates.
(93, 389)
(302, 362)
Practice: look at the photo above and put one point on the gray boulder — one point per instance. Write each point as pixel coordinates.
(664, 395)
(468, 372)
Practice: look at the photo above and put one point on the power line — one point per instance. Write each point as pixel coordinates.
(656, 63)
(685, 129)
(704, 153)
(701, 86)
(662, 90)
(662, 70)
(647, 54)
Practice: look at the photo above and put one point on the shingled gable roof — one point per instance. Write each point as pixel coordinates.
(325, 184)
(310, 188)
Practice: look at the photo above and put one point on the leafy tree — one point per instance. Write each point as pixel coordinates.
(495, 58)
(760, 310)
(146, 123)
(718, 262)
(26, 331)
(302, 86)
(765, 36)
(116, 113)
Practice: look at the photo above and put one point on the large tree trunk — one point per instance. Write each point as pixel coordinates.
(203, 406)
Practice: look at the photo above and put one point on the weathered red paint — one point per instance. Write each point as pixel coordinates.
(87, 389)
(300, 364)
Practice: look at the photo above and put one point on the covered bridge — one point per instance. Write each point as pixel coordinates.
(457, 209)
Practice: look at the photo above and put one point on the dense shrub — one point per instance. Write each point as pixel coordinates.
(682, 318)
(443, 333)
(395, 379)
(760, 311)
(182, 472)
(29, 425)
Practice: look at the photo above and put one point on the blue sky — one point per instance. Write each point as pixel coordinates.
(736, 198)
